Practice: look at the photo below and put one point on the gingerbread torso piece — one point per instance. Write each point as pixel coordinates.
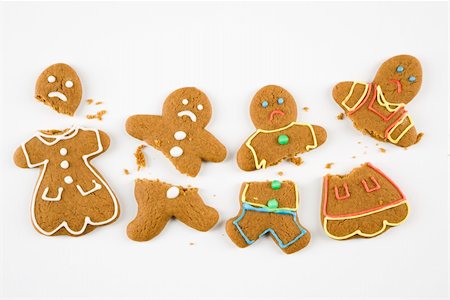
(363, 203)
(71, 196)
(378, 108)
(269, 207)
(180, 132)
(159, 201)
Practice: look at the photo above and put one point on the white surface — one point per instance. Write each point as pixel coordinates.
(131, 56)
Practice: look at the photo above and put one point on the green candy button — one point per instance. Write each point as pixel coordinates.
(272, 203)
(276, 185)
(283, 139)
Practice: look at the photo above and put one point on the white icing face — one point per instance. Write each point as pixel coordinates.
(51, 78)
(179, 135)
(188, 113)
(173, 192)
(200, 107)
(58, 95)
(68, 84)
(185, 101)
(176, 151)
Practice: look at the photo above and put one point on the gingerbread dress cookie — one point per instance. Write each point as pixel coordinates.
(274, 112)
(269, 207)
(364, 203)
(159, 201)
(70, 197)
(180, 132)
(378, 108)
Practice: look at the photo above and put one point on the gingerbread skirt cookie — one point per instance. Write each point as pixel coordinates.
(364, 203)
(269, 208)
(158, 202)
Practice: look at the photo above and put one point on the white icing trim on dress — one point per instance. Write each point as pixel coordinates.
(96, 187)
(188, 113)
(57, 198)
(58, 95)
(87, 220)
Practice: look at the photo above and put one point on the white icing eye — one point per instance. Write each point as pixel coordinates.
(185, 101)
(51, 78)
(200, 107)
(69, 84)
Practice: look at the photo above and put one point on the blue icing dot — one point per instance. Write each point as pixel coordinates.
(400, 69)
(280, 101)
(265, 104)
(412, 79)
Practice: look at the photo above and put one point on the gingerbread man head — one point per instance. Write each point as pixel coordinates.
(273, 107)
(188, 105)
(400, 78)
(59, 87)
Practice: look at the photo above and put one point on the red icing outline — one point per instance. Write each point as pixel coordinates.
(386, 133)
(364, 100)
(379, 114)
(375, 188)
(347, 193)
(399, 85)
(325, 186)
(274, 112)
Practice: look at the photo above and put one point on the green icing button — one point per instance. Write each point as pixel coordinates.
(276, 185)
(283, 139)
(272, 203)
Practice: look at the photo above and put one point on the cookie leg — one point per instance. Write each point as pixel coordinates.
(147, 224)
(193, 212)
(288, 233)
(247, 227)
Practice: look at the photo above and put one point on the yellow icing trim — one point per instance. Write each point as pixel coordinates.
(383, 102)
(358, 232)
(411, 125)
(343, 103)
(244, 193)
(263, 162)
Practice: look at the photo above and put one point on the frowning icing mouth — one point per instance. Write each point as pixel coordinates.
(398, 83)
(59, 95)
(276, 112)
(188, 113)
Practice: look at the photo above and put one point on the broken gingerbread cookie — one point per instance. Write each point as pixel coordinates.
(70, 197)
(278, 136)
(180, 131)
(59, 87)
(364, 203)
(377, 108)
(269, 207)
(158, 202)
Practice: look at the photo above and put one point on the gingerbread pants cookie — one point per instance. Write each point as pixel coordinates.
(158, 202)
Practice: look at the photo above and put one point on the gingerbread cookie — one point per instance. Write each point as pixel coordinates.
(180, 132)
(364, 203)
(59, 87)
(70, 197)
(269, 207)
(378, 108)
(159, 201)
(278, 136)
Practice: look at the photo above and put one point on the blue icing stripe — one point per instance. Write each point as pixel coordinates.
(274, 234)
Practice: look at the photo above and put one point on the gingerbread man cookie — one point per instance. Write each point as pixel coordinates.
(364, 203)
(180, 132)
(59, 87)
(278, 136)
(159, 201)
(70, 197)
(378, 108)
(269, 207)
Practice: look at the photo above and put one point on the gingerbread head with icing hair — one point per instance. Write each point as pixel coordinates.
(273, 107)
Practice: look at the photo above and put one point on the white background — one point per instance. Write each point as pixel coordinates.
(131, 56)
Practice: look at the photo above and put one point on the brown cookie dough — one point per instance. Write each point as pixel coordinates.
(180, 132)
(364, 203)
(274, 113)
(269, 207)
(159, 201)
(378, 108)
(70, 197)
(59, 87)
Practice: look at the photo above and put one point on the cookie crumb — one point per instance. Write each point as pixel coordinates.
(98, 102)
(377, 144)
(365, 152)
(353, 157)
(280, 173)
(140, 157)
(99, 115)
(382, 150)
(328, 165)
(89, 101)
(419, 137)
(191, 244)
(306, 108)
(340, 116)
(296, 160)
(126, 172)
(359, 143)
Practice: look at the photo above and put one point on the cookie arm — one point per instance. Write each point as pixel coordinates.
(210, 148)
(104, 140)
(348, 93)
(19, 158)
(245, 159)
(321, 134)
(139, 126)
